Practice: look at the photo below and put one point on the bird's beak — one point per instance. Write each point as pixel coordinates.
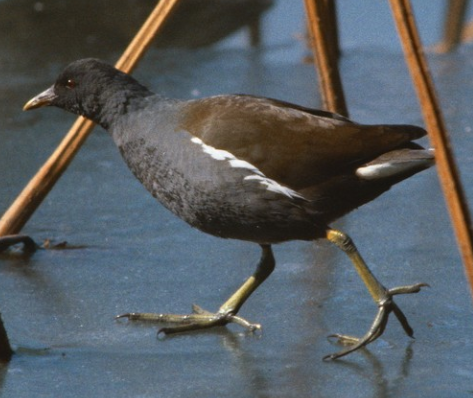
(43, 99)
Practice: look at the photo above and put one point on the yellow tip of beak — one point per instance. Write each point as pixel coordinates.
(44, 99)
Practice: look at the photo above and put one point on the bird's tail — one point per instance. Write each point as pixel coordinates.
(400, 163)
(413, 132)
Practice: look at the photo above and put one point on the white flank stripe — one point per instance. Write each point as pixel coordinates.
(216, 154)
(271, 185)
(243, 164)
(219, 154)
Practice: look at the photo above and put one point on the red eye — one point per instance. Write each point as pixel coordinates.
(71, 84)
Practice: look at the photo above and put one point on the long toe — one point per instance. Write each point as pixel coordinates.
(376, 330)
(385, 307)
(199, 319)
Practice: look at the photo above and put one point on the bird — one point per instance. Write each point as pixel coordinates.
(250, 168)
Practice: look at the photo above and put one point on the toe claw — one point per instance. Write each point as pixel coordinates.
(196, 309)
(329, 357)
(407, 289)
(344, 339)
(251, 327)
(402, 320)
(128, 315)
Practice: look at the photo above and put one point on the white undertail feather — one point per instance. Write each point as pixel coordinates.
(408, 159)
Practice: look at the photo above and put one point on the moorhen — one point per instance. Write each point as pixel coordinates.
(250, 168)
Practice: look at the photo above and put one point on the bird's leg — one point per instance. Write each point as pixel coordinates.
(201, 319)
(381, 295)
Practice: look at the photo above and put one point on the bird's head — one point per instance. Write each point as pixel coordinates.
(87, 87)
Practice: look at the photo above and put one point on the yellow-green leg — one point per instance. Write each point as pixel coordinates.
(382, 296)
(227, 313)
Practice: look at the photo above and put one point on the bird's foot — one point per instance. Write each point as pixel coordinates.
(199, 319)
(385, 306)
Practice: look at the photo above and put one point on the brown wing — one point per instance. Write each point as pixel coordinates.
(296, 146)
